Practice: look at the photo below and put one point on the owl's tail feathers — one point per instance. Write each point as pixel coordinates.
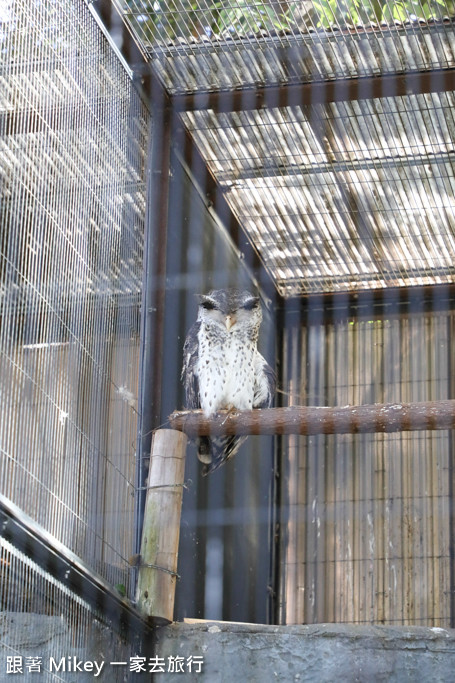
(215, 451)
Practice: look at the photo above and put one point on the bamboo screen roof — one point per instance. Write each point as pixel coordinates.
(351, 195)
(339, 195)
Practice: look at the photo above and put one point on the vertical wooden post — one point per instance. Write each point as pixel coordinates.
(160, 535)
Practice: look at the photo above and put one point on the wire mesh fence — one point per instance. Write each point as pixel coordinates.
(162, 22)
(73, 138)
(204, 46)
(46, 629)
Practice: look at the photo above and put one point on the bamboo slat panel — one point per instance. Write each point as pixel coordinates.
(368, 532)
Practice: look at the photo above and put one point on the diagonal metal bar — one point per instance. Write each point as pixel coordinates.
(52, 556)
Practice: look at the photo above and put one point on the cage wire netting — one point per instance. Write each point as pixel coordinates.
(42, 621)
(73, 139)
(197, 46)
(327, 129)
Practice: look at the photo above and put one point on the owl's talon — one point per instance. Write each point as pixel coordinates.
(230, 412)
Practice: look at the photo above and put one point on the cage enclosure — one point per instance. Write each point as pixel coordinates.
(153, 151)
(322, 147)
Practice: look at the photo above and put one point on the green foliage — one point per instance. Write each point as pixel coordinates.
(412, 10)
(167, 20)
(244, 17)
(121, 589)
(342, 12)
(164, 20)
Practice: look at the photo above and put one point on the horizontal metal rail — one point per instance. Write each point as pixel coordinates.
(318, 92)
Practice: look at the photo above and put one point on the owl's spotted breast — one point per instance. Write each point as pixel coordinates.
(222, 367)
(226, 372)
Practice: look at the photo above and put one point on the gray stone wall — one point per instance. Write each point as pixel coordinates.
(221, 652)
(322, 653)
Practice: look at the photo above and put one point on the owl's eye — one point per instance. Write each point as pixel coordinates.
(250, 304)
(208, 305)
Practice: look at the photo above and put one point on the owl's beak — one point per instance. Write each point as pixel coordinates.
(230, 321)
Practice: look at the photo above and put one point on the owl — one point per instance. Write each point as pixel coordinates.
(222, 368)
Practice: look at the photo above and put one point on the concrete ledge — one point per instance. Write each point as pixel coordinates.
(317, 653)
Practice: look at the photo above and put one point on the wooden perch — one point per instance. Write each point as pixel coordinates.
(366, 419)
(160, 534)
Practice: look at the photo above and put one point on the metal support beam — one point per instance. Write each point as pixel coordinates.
(277, 170)
(380, 303)
(319, 92)
(58, 561)
(153, 297)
